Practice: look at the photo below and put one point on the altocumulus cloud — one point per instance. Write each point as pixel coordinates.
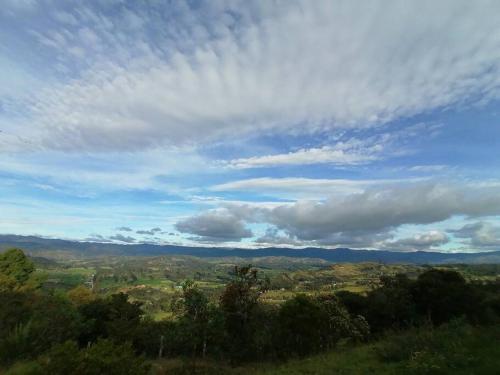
(260, 67)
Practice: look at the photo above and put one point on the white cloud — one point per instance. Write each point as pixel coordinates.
(293, 67)
(216, 225)
(353, 239)
(374, 211)
(420, 241)
(325, 154)
(305, 188)
(479, 234)
(121, 238)
(429, 168)
(343, 150)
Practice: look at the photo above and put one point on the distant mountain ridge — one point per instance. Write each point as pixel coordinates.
(37, 245)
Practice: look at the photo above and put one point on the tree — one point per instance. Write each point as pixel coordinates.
(441, 295)
(81, 295)
(200, 323)
(95, 315)
(355, 303)
(339, 324)
(391, 305)
(15, 268)
(310, 324)
(238, 303)
(49, 320)
(7, 283)
(302, 321)
(114, 317)
(124, 317)
(195, 317)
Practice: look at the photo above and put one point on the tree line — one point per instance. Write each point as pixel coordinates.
(79, 332)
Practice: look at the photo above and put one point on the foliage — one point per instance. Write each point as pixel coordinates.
(84, 332)
(107, 357)
(238, 303)
(62, 359)
(15, 263)
(26, 368)
(114, 317)
(16, 270)
(308, 325)
(81, 295)
(14, 310)
(427, 350)
(302, 322)
(103, 357)
(441, 295)
(201, 323)
(391, 305)
(51, 320)
(16, 344)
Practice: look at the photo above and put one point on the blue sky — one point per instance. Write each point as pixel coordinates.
(252, 123)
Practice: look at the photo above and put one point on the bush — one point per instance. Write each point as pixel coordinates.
(26, 368)
(49, 320)
(62, 359)
(106, 357)
(14, 310)
(17, 344)
(428, 350)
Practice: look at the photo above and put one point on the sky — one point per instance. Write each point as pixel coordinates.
(370, 125)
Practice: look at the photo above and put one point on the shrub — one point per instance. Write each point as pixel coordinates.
(106, 357)
(17, 344)
(26, 368)
(62, 359)
(428, 350)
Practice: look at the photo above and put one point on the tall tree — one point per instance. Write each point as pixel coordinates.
(239, 302)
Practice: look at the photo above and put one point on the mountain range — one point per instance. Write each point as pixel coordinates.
(38, 246)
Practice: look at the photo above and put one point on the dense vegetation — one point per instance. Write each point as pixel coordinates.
(81, 332)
